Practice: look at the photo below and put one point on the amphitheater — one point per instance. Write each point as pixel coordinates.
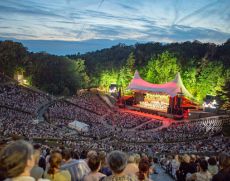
(28, 113)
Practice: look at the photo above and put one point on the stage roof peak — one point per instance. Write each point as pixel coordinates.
(171, 88)
(137, 75)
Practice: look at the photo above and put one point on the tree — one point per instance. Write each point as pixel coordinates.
(161, 69)
(130, 62)
(81, 69)
(126, 72)
(55, 74)
(225, 95)
(107, 78)
(12, 55)
(190, 80)
(209, 79)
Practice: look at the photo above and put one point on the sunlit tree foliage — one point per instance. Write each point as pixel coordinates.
(161, 69)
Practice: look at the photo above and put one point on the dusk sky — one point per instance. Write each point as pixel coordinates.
(116, 20)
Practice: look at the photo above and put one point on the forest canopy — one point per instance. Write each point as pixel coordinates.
(204, 67)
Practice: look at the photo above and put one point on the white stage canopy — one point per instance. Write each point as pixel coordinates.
(79, 126)
(171, 88)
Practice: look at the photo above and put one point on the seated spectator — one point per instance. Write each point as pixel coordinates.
(54, 173)
(94, 164)
(117, 161)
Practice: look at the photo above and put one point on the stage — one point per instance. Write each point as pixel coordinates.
(150, 111)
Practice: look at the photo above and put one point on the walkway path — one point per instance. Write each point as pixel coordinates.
(161, 176)
(42, 110)
(166, 121)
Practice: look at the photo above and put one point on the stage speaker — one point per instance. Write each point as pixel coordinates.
(179, 101)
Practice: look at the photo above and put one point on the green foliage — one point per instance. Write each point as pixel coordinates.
(105, 59)
(200, 64)
(121, 77)
(19, 70)
(161, 69)
(107, 78)
(12, 56)
(209, 80)
(224, 94)
(189, 79)
(130, 62)
(126, 73)
(29, 80)
(81, 70)
(56, 75)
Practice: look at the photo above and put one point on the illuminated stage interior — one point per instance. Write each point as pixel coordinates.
(158, 102)
(167, 98)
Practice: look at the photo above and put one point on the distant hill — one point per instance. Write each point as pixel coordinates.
(205, 67)
(58, 47)
(115, 57)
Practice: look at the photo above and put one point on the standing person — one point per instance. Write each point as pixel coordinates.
(203, 174)
(54, 173)
(144, 169)
(131, 168)
(212, 166)
(184, 168)
(224, 173)
(175, 165)
(192, 164)
(104, 166)
(42, 159)
(16, 162)
(37, 172)
(117, 162)
(76, 168)
(94, 164)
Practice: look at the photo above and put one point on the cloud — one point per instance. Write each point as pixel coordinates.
(111, 19)
(34, 11)
(185, 33)
(20, 35)
(197, 11)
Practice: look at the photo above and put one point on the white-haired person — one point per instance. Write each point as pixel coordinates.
(117, 161)
(16, 162)
(131, 168)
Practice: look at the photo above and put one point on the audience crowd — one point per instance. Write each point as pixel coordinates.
(197, 167)
(21, 98)
(91, 102)
(43, 163)
(109, 130)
